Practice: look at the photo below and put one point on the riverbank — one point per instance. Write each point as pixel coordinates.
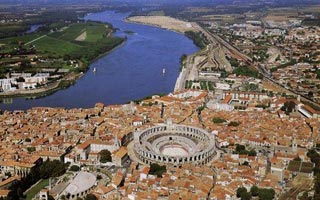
(165, 22)
(110, 51)
(46, 90)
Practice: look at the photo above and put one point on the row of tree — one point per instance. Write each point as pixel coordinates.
(262, 193)
(315, 158)
(246, 71)
(241, 149)
(198, 38)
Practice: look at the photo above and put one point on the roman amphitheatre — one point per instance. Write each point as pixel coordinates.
(175, 145)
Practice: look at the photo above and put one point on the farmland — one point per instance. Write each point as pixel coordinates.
(66, 49)
(55, 46)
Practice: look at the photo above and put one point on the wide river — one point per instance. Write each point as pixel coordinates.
(131, 71)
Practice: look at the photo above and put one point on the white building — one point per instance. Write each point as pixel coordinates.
(95, 146)
(38, 78)
(6, 84)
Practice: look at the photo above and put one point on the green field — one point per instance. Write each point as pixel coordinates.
(57, 25)
(95, 31)
(11, 29)
(70, 33)
(36, 189)
(55, 46)
(62, 44)
(24, 39)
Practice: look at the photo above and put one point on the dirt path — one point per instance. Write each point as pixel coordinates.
(82, 37)
(35, 40)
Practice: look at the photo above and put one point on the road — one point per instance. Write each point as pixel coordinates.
(35, 40)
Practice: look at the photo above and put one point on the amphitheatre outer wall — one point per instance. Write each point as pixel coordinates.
(188, 145)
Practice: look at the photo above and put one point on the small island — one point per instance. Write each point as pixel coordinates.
(129, 32)
(52, 57)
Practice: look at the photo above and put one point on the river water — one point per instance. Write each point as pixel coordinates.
(34, 28)
(131, 71)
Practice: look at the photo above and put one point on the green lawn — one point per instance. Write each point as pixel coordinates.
(36, 189)
(55, 46)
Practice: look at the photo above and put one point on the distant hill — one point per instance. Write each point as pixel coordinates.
(161, 1)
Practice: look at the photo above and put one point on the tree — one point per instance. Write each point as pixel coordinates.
(304, 196)
(297, 158)
(218, 120)
(20, 79)
(50, 197)
(288, 107)
(234, 62)
(233, 123)
(254, 191)
(241, 190)
(315, 158)
(246, 163)
(240, 147)
(31, 149)
(157, 170)
(266, 194)
(251, 87)
(45, 170)
(90, 197)
(74, 168)
(245, 196)
(8, 174)
(246, 71)
(52, 168)
(317, 187)
(252, 152)
(25, 65)
(197, 37)
(105, 156)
